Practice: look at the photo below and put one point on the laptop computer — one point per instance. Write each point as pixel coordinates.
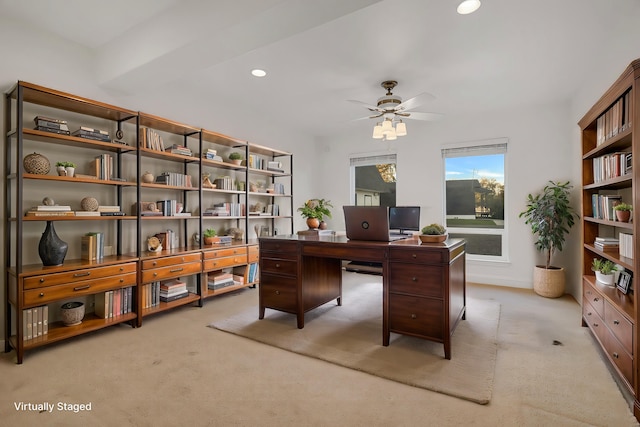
(370, 223)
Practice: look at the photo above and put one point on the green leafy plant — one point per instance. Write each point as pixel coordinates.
(550, 216)
(210, 232)
(316, 208)
(66, 164)
(604, 266)
(235, 156)
(623, 207)
(433, 229)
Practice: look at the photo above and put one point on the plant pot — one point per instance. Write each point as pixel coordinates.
(70, 171)
(322, 225)
(209, 240)
(433, 238)
(313, 223)
(72, 313)
(605, 279)
(237, 162)
(548, 282)
(61, 171)
(623, 216)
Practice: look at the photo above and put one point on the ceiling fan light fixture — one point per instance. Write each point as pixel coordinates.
(468, 6)
(377, 131)
(258, 72)
(390, 135)
(387, 126)
(401, 129)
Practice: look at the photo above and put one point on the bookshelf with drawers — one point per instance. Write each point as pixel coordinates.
(610, 144)
(156, 177)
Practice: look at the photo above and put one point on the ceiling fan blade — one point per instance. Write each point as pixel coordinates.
(364, 104)
(375, 116)
(414, 102)
(422, 116)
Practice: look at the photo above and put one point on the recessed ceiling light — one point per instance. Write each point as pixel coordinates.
(258, 72)
(468, 6)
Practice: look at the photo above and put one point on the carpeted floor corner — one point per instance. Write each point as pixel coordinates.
(351, 336)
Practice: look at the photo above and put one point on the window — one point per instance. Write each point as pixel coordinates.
(475, 197)
(373, 180)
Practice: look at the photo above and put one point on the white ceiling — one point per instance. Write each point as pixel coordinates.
(321, 53)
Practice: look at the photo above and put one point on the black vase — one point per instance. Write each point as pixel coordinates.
(51, 249)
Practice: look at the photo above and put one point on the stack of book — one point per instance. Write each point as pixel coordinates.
(110, 210)
(48, 124)
(220, 280)
(171, 290)
(211, 154)
(91, 133)
(46, 210)
(274, 166)
(179, 149)
(607, 244)
(626, 245)
(35, 322)
(114, 303)
(92, 246)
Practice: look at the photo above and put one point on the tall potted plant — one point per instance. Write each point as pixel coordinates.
(550, 216)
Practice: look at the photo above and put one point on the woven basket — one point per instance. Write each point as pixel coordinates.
(36, 164)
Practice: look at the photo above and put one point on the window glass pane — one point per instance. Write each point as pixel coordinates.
(375, 184)
(475, 199)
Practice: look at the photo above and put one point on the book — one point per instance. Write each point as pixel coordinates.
(174, 297)
(48, 119)
(52, 208)
(50, 213)
(28, 323)
(101, 302)
(87, 213)
(45, 320)
(52, 130)
(89, 247)
(112, 213)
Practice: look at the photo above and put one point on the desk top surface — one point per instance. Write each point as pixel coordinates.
(411, 241)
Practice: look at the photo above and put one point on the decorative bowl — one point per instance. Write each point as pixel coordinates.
(432, 238)
(72, 313)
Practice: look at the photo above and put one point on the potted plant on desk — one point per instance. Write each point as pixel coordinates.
(209, 236)
(314, 210)
(433, 233)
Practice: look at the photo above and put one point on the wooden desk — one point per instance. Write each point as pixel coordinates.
(424, 291)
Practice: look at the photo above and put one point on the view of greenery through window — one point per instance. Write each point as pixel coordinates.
(475, 202)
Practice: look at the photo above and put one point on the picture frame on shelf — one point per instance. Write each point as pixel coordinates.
(624, 282)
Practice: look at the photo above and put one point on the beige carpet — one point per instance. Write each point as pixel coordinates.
(351, 335)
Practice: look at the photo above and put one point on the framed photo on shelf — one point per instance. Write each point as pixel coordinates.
(624, 282)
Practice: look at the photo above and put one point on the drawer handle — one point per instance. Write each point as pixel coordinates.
(121, 269)
(413, 316)
(414, 255)
(596, 299)
(41, 280)
(121, 280)
(277, 292)
(41, 294)
(616, 322)
(589, 314)
(155, 263)
(415, 279)
(175, 270)
(87, 273)
(277, 265)
(615, 355)
(155, 274)
(81, 288)
(595, 325)
(182, 259)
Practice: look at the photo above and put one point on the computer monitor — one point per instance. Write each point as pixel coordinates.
(404, 218)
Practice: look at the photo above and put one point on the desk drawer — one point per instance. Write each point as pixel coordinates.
(49, 294)
(279, 246)
(279, 266)
(595, 299)
(619, 326)
(229, 261)
(171, 272)
(418, 255)
(278, 292)
(415, 279)
(39, 281)
(416, 316)
(217, 253)
(170, 260)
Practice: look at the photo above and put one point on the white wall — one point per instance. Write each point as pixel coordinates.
(540, 149)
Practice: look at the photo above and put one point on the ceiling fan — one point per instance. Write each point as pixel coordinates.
(393, 110)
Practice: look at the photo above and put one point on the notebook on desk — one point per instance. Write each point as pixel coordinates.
(370, 223)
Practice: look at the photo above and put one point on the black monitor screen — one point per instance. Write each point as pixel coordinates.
(404, 218)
